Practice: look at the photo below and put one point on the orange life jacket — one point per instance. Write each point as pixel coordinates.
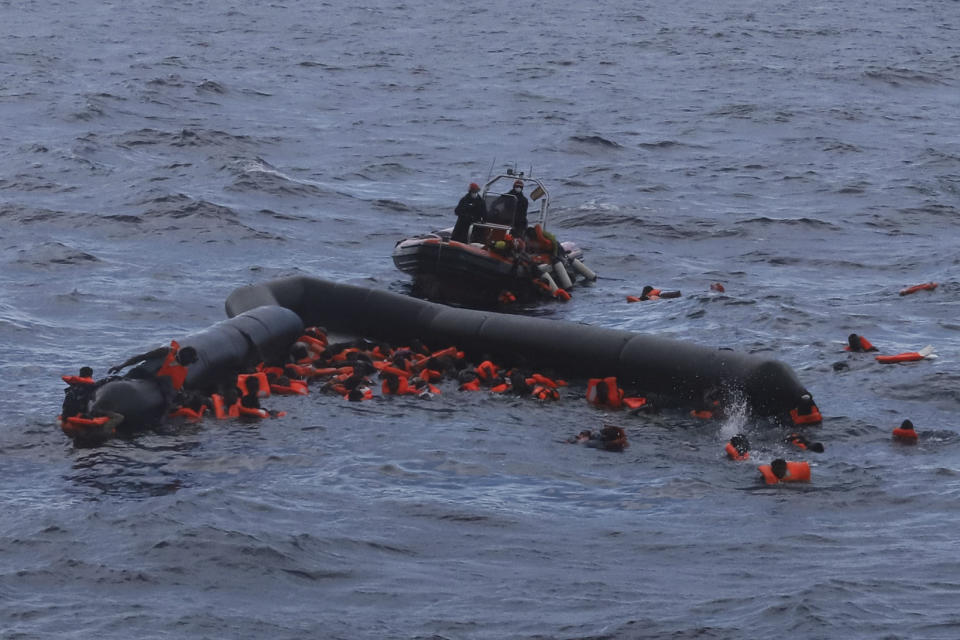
(813, 417)
(253, 412)
(864, 345)
(634, 403)
(342, 356)
(188, 413)
(366, 394)
(403, 386)
(449, 351)
(543, 392)
(400, 373)
(486, 371)
(221, 411)
(702, 414)
(295, 388)
(927, 286)
(301, 371)
(173, 369)
(614, 397)
(262, 392)
(473, 385)
(429, 375)
(733, 454)
(79, 421)
(77, 380)
(796, 472)
(544, 380)
(907, 435)
(909, 356)
(314, 345)
(76, 426)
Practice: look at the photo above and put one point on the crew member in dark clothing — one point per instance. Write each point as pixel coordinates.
(470, 209)
(520, 215)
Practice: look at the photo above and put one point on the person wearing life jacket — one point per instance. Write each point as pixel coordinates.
(543, 392)
(858, 344)
(905, 433)
(469, 381)
(738, 448)
(781, 470)
(78, 393)
(801, 442)
(806, 412)
(170, 363)
(393, 384)
(226, 404)
(285, 386)
(604, 392)
(422, 387)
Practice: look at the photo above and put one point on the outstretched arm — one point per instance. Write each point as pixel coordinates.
(156, 353)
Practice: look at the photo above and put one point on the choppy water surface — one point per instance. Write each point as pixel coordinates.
(154, 157)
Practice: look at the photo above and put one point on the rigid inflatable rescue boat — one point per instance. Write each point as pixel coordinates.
(681, 370)
(493, 265)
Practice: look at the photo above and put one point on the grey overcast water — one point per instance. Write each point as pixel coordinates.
(156, 156)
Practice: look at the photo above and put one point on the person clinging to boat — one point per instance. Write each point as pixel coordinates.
(470, 210)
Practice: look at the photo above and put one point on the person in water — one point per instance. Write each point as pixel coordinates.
(471, 209)
(168, 365)
(78, 393)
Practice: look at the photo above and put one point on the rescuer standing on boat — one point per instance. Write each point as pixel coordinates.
(520, 216)
(470, 209)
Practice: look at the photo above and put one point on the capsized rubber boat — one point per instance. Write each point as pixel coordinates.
(481, 272)
(682, 370)
(222, 349)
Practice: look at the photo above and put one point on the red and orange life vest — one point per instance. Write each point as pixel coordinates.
(796, 472)
(733, 454)
(173, 369)
(614, 398)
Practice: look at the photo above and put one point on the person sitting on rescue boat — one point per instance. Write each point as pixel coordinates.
(470, 209)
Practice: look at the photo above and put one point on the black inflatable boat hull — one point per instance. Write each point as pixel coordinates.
(651, 364)
(222, 350)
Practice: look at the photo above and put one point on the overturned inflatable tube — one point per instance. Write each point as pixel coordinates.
(222, 350)
(651, 364)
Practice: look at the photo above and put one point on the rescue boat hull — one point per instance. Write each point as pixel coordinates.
(448, 271)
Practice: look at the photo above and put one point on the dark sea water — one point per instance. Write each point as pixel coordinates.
(156, 156)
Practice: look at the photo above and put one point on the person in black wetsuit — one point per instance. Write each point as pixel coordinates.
(470, 209)
(520, 215)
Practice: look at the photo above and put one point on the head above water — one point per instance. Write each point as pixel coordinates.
(86, 372)
(187, 356)
(779, 467)
(518, 184)
(474, 187)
